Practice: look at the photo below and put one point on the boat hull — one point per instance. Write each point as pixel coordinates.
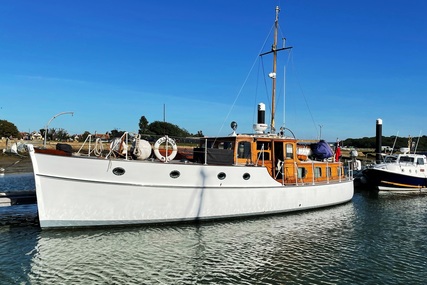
(384, 180)
(78, 192)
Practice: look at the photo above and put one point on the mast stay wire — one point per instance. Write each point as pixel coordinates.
(284, 88)
(303, 94)
(267, 92)
(244, 82)
(291, 60)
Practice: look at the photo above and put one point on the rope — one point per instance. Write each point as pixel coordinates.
(99, 148)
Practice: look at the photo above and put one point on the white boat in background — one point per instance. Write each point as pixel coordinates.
(403, 173)
(240, 175)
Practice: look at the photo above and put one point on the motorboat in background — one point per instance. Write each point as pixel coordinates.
(405, 172)
(239, 175)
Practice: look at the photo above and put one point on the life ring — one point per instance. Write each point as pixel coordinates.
(170, 141)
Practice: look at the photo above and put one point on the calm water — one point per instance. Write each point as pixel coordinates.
(366, 241)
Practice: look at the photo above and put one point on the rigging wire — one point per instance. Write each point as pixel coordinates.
(254, 115)
(267, 92)
(303, 95)
(245, 81)
(284, 88)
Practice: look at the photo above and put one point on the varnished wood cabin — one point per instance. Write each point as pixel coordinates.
(287, 161)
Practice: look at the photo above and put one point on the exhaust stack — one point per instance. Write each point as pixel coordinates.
(260, 126)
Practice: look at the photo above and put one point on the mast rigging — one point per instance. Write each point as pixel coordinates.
(272, 75)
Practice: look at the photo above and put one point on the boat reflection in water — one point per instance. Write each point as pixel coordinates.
(254, 251)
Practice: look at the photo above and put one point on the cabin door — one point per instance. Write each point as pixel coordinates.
(278, 160)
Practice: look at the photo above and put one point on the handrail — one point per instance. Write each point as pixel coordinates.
(314, 174)
(206, 152)
(88, 137)
(296, 173)
(327, 172)
(98, 148)
(259, 155)
(123, 139)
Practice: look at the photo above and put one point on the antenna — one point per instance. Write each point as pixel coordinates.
(418, 140)
(394, 144)
(284, 95)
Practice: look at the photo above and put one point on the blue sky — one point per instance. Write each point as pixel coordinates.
(111, 62)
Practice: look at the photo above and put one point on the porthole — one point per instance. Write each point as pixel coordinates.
(221, 176)
(174, 174)
(118, 171)
(246, 176)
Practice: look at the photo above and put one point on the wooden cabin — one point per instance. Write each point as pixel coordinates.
(286, 160)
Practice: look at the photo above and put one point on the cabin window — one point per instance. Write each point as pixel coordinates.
(263, 155)
(262, 145)
(302, 172)
(264, 150)
(289, 151)
(218, 144)
(317, 172)
(390, 159)
(215, 152)
(244, 150)
(420, 161)
(406, 159)
(225, 145)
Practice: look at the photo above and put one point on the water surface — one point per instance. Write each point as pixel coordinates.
(366, 241)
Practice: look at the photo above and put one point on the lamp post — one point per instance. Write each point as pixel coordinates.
(46, 128)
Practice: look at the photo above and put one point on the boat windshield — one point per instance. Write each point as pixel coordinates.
(390, 159)
(406, 159)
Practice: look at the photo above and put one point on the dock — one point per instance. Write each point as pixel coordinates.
(17, 198)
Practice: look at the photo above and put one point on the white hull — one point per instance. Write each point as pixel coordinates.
(76, 192)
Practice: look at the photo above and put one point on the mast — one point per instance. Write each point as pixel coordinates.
(272, 75)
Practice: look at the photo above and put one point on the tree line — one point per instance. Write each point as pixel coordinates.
(398, 142)
(156, 128)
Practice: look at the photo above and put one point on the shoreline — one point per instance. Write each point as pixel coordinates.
(13, 163)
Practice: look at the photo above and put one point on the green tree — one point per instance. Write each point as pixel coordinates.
(50, 134)
(62, 135)
(8, 129)
(116, 133)
(143, 125)
(391, 141)
(84, 136)
(164, 128)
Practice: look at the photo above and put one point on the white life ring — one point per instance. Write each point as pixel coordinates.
(170, 141)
